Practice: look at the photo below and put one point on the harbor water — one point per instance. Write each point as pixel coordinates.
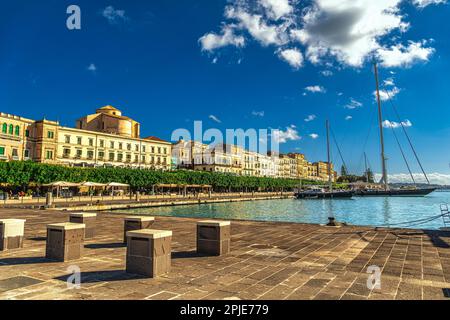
(361, 211)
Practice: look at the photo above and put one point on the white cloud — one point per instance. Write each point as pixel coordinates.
(92, 67)
(424, 3)
(386, 94)
(258, 113)
(395, 125)
(311, 117)
(435, 178)
(258, 27)
(290, 134)
(114, 16)
(400, 56)
(212, 41)
(315, 89)
(214, 118)
(349, 31)
(353, 104)
(389, 82)
(277, 9)
(326, 73)
(292, 56)
(314, 136)
(348, 118)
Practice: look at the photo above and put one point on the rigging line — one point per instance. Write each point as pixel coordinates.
(368, 132)
(403, 154)
(339, 151)
(427, 219)
(407, 136)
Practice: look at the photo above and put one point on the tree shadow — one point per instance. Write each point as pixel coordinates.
(102, 276)
(23, 261)
(187, 254)
(112, 245)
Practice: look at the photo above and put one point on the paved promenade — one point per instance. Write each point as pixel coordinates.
(267, 261)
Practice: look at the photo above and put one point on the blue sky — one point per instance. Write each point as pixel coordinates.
(249, 64)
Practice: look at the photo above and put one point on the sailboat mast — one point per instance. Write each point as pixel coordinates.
(330, 181)
(380, 123)
(365, 165)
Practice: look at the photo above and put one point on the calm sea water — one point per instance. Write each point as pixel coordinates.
(357, 211)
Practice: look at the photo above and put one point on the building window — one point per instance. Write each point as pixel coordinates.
(159, 150)
(143, 149)
(143, 159)
(50, 134)
(165, 150)
(120, 145)
(120, 157)
(101, 154)
(91, 142)
(102, 143)
(26, 154)
(49, 155)
(111, 144)
(27, 133)
(67, 139)
(11, 129)
(79, 153)
(79, 140)
(111, 156)
(17, 132)
(129, 146)
(136, 158)
(15, 152)
(90, 154)
(137, 148)
(66, 153)
(2, 151)
(153, 149)
(164, 160)
(5, 128)
(128, 157)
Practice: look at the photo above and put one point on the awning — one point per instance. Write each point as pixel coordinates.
(62, 184)
(116, 184)
(93, 184)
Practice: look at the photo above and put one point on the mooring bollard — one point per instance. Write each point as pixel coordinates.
(65, 241)
(136, 223)
(11, 234)
(48, 199)
(213, 237)
(88, 219)
(149, 252)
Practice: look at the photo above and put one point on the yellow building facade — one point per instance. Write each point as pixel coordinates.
(96, 141)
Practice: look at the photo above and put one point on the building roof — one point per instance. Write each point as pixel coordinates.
(156, 139)
(108, 107)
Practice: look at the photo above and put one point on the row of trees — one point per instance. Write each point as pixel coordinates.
(345, 177)
(21, 174)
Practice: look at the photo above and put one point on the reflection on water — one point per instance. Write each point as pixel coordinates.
(357, 211)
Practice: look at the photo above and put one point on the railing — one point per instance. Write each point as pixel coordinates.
(28, 200)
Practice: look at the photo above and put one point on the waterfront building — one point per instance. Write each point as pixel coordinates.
(105, 138)
(234, 159)
(302, 164)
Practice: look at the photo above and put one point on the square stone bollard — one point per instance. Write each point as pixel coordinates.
(213, 237)
(149, 252)
(136, 223)
(88, 219)
(65, 241)
(11, 234)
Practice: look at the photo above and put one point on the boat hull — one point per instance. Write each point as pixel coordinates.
(395, 193)
(324, 195)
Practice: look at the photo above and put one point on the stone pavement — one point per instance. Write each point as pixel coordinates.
(268, 260)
